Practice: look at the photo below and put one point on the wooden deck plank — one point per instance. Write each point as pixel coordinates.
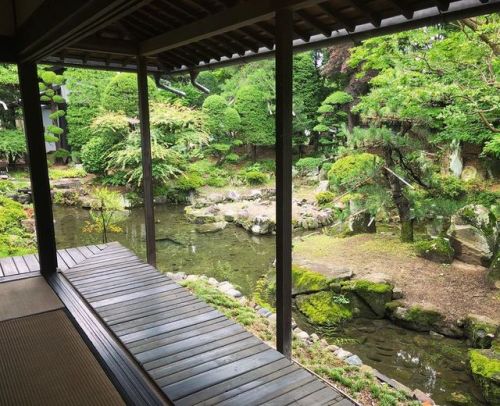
(8, 266)
(67, 258)
(251, 377)
(185, 332)
(192, 351)
(297, 393)
(187, 361)
(21, 265)
(269, 390)
(61, 263)
(217, 375)
(322, 397)
(237, 355)
(185, 345)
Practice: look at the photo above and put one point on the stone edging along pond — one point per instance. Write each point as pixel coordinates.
(306, 340)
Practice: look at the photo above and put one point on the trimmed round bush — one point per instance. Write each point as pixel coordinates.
(95, 153)
(353, 169)
(308, 164)
(255, 178)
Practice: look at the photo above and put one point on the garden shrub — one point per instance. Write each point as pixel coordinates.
(255, 177)
(11, 214)
(120, 94)
(118, 178)
(450, 187)
(189, 181)
(353, 170)
(12, 144)
(6, 186)
(325, 198)
(309, 164)
(95, 154)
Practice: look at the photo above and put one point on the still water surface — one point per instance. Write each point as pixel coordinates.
(434, 365)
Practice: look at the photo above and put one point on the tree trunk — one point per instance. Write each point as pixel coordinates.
(400, 200)
(254, 153)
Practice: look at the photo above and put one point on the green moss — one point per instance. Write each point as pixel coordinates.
(436, 249)
(321, 308)
(372, 294)
(485, 368)
(422, 316)
(304, 280)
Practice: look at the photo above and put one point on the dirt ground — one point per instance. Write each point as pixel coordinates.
(457, 289)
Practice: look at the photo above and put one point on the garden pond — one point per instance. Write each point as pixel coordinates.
(433, 364)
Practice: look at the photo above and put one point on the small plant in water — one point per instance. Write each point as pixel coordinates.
(106, 212)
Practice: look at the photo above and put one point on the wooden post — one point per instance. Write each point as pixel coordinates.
(40, 185)
(284, 97)
(147, 167)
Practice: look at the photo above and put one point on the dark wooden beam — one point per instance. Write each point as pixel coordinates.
(39, 172)
(337, 16)
(315, 23)
(408, 13)
(243, 14)
(147, 166)
(284, 99)
(363, 8)
(7, 51)
(106, 45)
(443, 5)
(57, 24)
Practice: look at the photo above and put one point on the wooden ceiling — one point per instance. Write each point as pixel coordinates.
(183, 35)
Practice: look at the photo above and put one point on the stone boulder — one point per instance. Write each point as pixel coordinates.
(211, 227)
(473, 233)
(421, 317)
(493, 275)
(485, 368)
(480, 330)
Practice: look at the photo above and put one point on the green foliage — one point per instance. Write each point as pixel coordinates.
(56, 173)
(257, 124)
(304, 280)
(353, 170)
(325, 198)
(95, 155)
(106, 212)
(127, 158)
(220, 120)
(440, 78)
(120, 94)
(322, 308)
(12, 144)
(11, 215)
(189, 181)
(255, 177)
(309, 164)
(85, 90)
(110, 125)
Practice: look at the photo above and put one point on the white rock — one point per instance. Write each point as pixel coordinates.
(176, 276)
(342, 354)
(314, 337)
(192, 277)
(354, 360)
(301, 335)
(233, 292)
(213, 281)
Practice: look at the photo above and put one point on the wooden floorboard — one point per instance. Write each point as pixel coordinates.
(190, 350)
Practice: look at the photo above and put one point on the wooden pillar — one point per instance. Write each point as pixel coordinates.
(284, 97)
(147, 167)
(40, 185)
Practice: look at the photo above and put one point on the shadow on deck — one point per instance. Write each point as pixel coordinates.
(192, 352)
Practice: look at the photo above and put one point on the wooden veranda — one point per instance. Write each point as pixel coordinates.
(189, 350)
(167, 37)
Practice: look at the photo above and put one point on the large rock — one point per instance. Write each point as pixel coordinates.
(493, 275)
(211, 227)
(485, 368)
(422, 317)
(473, 234)
(374, 294)
(480, 330)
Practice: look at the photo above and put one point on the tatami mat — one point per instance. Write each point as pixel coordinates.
(44, 361)
(25, 297)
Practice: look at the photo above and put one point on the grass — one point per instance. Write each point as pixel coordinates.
(56, 173)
